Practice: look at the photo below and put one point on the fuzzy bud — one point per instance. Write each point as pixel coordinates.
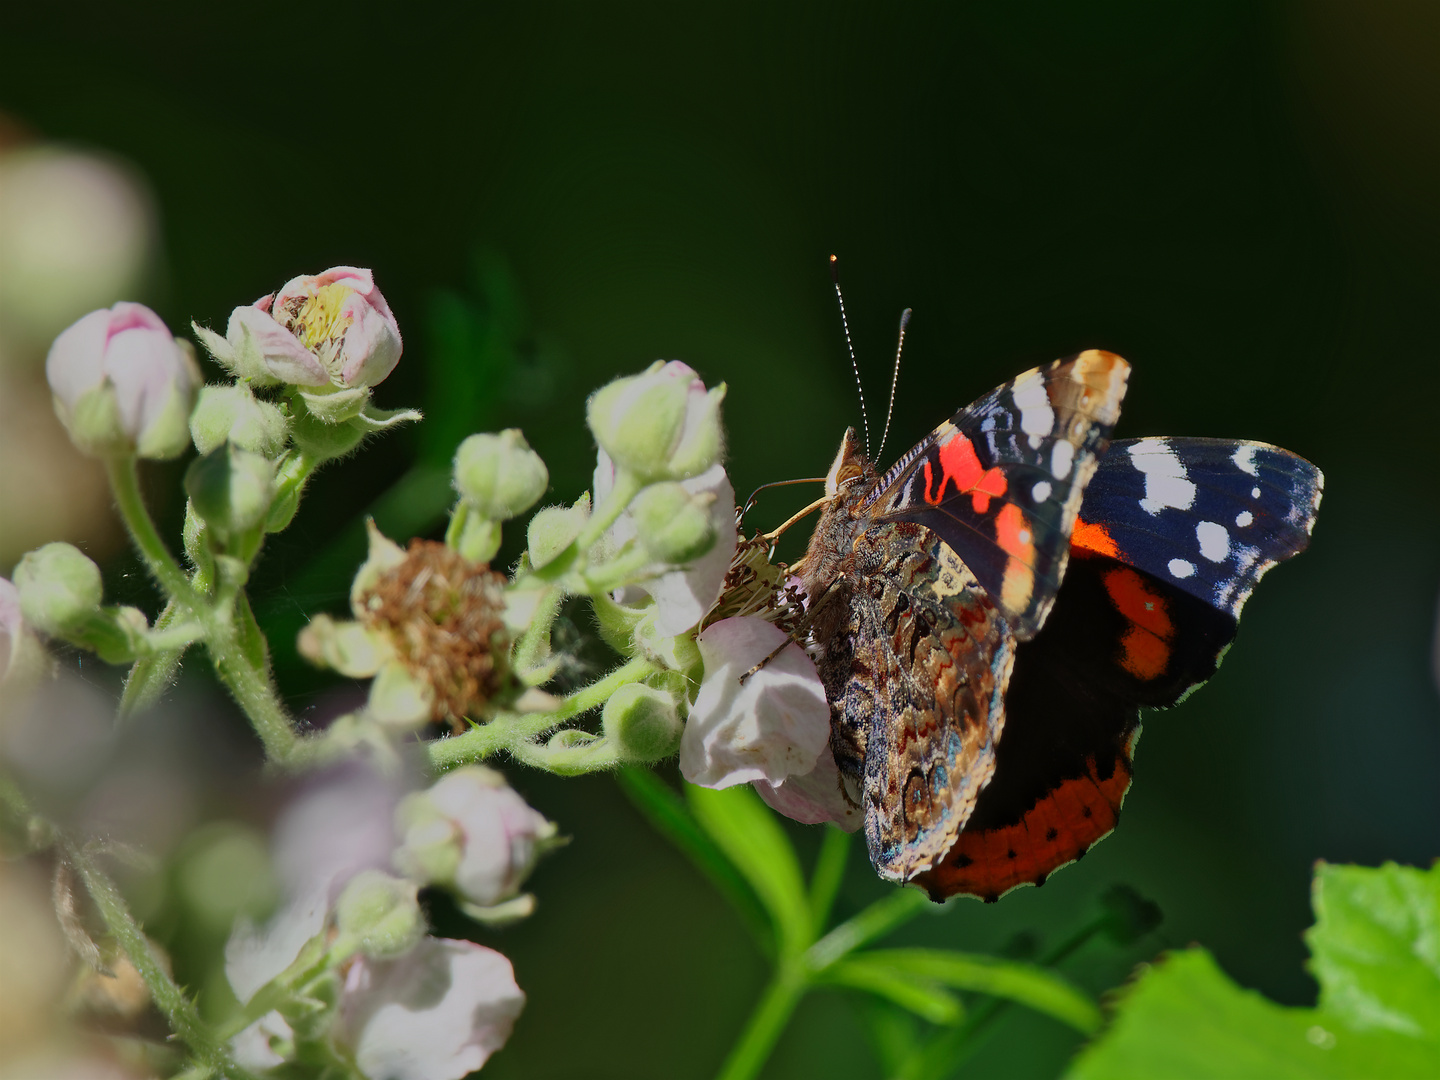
(479, 538)
(60, 589)
(381, 914)
(673, 524)
(642, 723)
(231, 489)
(231, 413)
(499, 475)
(553, 529)
(123, 384)
(659, 425)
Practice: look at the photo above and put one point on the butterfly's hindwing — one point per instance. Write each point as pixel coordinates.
(1001, 483)
(1117, 638)
(1209, 516)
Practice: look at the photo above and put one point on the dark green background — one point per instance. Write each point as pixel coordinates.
(1243, 200)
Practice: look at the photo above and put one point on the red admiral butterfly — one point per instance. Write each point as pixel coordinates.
(990, 615)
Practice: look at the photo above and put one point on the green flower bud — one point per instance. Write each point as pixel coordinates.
(232, 413)
(231, 489)
(499, 475)
(660, 425)
(552, 529)
(642, 723)
(673, 524)
(323, 441)
(60, 589)
(479, 538)
(380, 915)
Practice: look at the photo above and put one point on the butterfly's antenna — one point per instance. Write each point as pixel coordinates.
(845, 323)
(894, 381)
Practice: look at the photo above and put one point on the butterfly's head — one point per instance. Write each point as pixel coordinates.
(850, 464)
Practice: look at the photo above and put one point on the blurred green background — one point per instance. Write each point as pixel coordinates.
(1242, 199)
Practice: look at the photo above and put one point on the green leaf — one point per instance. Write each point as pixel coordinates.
(1376, 947)
(748, 833)
(1185, 1020)
(667, 814)
(828, 874)
(873, 973)
(1026, 984)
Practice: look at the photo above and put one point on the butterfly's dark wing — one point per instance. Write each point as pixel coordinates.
(1125, 633)
(1002, 481)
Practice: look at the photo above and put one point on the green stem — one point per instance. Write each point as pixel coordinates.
(627, 486)
(510, 728)
(829, 871)
(125, 484)
(174, 638)
(766, 1024)
(168, 997)
(246, 672)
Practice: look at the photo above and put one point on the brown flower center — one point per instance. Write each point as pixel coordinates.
(442, 614)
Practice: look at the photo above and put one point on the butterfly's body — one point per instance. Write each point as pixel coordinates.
(988, 737)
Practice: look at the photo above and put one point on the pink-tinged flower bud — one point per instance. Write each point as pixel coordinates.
(123, 384)
(12, 625)
(471, 832)
(436, 1013)
(331, 330)
(770, 727)
(661, 424)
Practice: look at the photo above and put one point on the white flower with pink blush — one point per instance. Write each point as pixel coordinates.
(123, 384)
(333, 329)
(772, 729)
(436, 1013)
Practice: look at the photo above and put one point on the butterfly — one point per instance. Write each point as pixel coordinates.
(989, 616)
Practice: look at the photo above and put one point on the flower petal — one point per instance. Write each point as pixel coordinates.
(682, 597)
(436, 1013)
(814, 797)
(772, 726)
(284, 356)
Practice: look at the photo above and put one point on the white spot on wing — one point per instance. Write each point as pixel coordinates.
(1166, 483)
(1041, 491)
(1037, 418)
(1180, 568)
(1061, 459)
(1244, 458)
(1244, 518)
(1214, 540)
(1254, 493)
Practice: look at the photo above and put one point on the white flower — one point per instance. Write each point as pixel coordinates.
(341, 826)
(472, 831)
(772, 726)
(683, 595)
(123, 384)
(436, 1013)
(11, 626)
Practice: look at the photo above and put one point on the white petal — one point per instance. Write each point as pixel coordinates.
(814, 797)
(773, 725)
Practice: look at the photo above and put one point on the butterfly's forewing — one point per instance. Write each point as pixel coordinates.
(1209, 516)
(1126, 632)
(1001, 483)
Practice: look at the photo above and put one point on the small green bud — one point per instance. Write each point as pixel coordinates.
(499, 475)
(659, 425)
(232, 412)
(479, 538)
(642, 723)
(677, 652)
(674, 525)
(231, 489)
(60, 588)
(321, 441)
(380, 914)
(553, 529)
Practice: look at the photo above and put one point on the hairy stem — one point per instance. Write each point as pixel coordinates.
(125, 484)
(168, 997)
(509, 729)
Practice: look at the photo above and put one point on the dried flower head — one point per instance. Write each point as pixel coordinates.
(441, 613)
